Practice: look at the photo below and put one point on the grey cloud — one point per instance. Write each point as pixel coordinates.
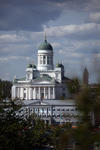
(26, 15)
(33, 14)
(79, 32)
(94, 17)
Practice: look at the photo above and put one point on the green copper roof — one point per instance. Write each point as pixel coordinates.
(34, 66)
(21, 79)
(31, 66)
(45, 46)
(44, 77)
(59, 65)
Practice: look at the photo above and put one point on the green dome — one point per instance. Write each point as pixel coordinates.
(34, 66)
(31, 66)
(45, 46)
(59, 65)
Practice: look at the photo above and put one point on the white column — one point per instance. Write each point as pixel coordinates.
(26, 93)
(38, 59)
(35, 92)
(53, 92)
(44, 93)
(42, 59)
(14, 92)
(22, 93)
(39, 93)
(30, 93)
(19, 92)
(49, 96)
(46, 60)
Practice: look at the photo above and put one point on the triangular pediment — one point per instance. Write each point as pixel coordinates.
(39, 103)
(44, 79)
(43, 82)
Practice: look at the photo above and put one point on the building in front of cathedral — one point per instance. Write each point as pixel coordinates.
(43, 88)
(42, 81)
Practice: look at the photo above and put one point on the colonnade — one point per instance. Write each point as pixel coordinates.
(35, 92)
(45, 59)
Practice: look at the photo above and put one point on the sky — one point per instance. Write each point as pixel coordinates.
(72, 27)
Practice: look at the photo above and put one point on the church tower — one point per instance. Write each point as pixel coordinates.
(85, 76)
(45, 56)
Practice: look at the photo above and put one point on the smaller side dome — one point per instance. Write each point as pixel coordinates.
(59, 65)
(34, 66)
(29, 66)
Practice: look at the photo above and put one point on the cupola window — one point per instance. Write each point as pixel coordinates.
(44, 59)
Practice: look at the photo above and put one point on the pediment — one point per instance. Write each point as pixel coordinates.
(39, 103)
(43, 82)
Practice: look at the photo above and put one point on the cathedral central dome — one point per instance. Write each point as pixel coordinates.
(45, 46)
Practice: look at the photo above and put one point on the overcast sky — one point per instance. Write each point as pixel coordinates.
(72, 27)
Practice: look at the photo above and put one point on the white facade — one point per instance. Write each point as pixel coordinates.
(43, 81)
(51, 111)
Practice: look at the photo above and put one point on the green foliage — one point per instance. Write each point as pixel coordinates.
(16, 133)
(73, 86)
(5, 89)
(84, 103)
(88, 104)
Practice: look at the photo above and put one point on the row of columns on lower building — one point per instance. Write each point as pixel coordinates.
(35, 93)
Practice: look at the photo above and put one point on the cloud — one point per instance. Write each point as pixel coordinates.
(94, 17)
(74, 39)
(31, 15)
(92, 5)
(26, 15)
(12, 58)
(56, 44)
(89, 30)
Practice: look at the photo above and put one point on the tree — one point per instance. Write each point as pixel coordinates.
(73, 86)
(5, 89)
(16, 133)
(85, 134)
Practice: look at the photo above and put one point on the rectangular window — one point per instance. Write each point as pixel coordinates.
(67, 109)
(44, 60)
(58, 109)
(72, 109)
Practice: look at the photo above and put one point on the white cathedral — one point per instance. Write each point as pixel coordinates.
(43, 88)
(42, 81)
